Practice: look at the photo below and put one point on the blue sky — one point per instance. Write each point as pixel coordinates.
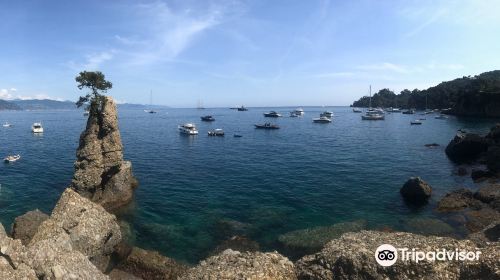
(229, 52)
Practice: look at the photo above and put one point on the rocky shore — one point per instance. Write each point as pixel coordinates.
(82, 239)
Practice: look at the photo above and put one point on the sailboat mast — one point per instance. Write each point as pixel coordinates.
(151, 98)
(370, 106)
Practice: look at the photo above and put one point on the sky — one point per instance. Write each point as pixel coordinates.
(248, 52)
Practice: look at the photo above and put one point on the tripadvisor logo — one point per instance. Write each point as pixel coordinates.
(387, 255)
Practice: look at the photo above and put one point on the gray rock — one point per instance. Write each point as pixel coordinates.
(235, 265)
(117, 274)
(456, 200)
(25, 226)
(151, 265)
(416, 191)
(477, 220)
(101, 174)
(306, 241)
(466, 147)
(237, 243)
(352, 256)
(489, 234)
(488, 193)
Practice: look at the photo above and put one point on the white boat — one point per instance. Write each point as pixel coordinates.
(356, 110)
(293, 114)
(299, 112)
(11, 158)
(7, 125)
(37, 128)
(150, 111)
(322, 119)
(393, 110)
(188, 128)
(216, 132)
(326, 114)
(373, 114)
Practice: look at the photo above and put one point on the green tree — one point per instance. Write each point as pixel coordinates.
(96, 82)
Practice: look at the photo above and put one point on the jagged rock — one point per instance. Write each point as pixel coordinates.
(101, 174)
(151, 265)
(488, 193)
(416, 191)
(237, 243)
(307, 241)
(92, 230)
(117, 274)
(428, 226)
(352, 256)
(25, 226)
(466, 147)
(456, 200)
(235, 265)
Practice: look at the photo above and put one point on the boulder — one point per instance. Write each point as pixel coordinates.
(249, 265)
(488, 193)
(26, 225)
(352, 256)
(151, 265)
(466, 147)
(87, 226)
(101, 174)
(117, 274)
(456, 200)
(307, 241)
(477, 220)
(416, 191)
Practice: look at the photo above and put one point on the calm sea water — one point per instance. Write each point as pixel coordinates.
(266, 183)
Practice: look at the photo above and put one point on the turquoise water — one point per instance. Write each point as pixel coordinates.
(266, 183)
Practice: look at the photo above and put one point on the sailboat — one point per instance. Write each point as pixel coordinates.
(200, 105)
(151, 111)
(373, 114)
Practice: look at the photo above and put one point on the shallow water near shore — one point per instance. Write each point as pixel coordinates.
(197, 190)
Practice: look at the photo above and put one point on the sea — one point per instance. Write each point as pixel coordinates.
(195, 191)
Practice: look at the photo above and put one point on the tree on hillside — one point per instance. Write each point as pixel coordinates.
(97, 84)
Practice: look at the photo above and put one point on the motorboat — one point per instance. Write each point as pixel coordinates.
(293, 114)
(416, 122)
(13, 158)
(150, 111)
(207, 118)
(322, 119)
(272, 114)
(242, 108)
(441, 117)
(237, 135)
(216, 132)
(356, 110)
(37, 128)
(326, 114)
(299, 112)
(267, 126)
(409, 112)
(188, 128)
(7, 125)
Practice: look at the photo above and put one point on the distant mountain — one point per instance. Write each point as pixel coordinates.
(467, 96)
(44, 104)
(6, 105)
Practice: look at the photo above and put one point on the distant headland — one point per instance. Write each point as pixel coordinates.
(475, 96)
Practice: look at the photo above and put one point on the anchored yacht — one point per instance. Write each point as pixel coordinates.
(188, 128)
(37, 128)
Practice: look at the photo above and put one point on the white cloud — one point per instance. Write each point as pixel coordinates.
(384, 66)
(95, 60)
(5, 94)
(8, 94)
